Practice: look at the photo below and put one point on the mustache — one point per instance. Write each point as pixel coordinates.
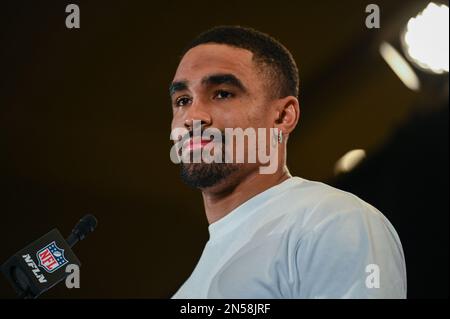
(190, 135)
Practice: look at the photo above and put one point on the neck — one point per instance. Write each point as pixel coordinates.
(220, 202)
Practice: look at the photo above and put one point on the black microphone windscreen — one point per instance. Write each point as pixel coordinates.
(86, 225)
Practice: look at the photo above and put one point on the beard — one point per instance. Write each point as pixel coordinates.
(204, 175)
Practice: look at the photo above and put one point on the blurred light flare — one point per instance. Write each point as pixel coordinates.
(349, 161)
(400, 66)
(426, 39)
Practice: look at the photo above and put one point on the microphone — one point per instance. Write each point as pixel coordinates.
(41, 265)
(85, 226)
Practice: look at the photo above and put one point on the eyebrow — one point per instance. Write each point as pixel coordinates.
(217, 79)
(210, 80)
(177, 86)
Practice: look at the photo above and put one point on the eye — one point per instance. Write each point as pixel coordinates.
(221, 94)
(182, 101)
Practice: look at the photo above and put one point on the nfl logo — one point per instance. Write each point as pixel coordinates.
(51, 257)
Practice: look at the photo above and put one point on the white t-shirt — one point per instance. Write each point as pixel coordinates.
(300, 239)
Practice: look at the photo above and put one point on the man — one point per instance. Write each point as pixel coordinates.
(271, 235)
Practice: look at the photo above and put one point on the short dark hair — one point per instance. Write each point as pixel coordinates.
(275, 59)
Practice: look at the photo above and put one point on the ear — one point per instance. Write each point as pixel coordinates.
(288, 114)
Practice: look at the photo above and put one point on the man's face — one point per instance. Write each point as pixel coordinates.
(222, 87)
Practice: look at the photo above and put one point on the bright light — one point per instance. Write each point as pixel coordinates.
(426, 38)
(400, 66)
(349, 161)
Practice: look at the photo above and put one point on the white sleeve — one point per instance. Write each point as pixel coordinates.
(351, 254)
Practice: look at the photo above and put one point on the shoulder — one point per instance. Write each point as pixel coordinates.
(336, 237)
(327, 216)
(316, 205)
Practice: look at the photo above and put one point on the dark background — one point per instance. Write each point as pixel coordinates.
(85, 123)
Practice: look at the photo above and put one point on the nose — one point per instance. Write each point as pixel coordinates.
(198, 114)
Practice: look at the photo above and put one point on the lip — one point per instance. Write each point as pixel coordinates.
(189, 145)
